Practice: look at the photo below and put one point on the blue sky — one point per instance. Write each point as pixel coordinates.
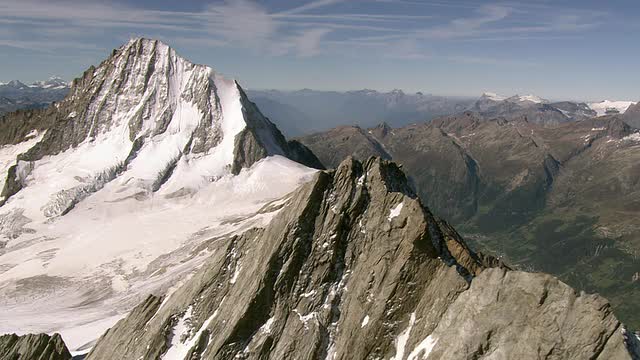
(581, 50)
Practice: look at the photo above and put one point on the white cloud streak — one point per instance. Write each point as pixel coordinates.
(310, 6)
(310, 29)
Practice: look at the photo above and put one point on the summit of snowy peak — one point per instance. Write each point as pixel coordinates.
(159, 118)
(515, 98)
(54, 82)
(16, 84)
(493, 96)
(530, 98)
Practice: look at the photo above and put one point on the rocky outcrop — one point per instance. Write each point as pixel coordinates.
(262, 138)
(33, 347)
(355, 267)
(632, 116)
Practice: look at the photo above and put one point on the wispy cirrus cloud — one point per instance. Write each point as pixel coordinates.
(310, 6)
(308, 29)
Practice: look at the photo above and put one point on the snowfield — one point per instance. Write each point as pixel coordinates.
(82, 272)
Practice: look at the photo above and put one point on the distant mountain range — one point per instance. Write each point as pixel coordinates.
(305, 111)
(16, 95)
(532, 108)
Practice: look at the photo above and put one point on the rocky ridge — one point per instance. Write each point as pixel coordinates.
(357, 265)
(560, 199)
(33, 347)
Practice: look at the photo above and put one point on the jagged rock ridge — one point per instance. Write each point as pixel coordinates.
(33, 347)
(559, 200)
(355, 267)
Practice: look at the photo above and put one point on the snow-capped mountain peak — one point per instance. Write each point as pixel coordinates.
(493, 96)
(16, 84)
(124, 182)
(515, 98)
(54, 82)
(530, 98)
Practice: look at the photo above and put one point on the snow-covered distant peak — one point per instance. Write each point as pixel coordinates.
(530, 98)
(493, 96)
(515, 98)
(54, 82)
(16, 84)
(610, 106)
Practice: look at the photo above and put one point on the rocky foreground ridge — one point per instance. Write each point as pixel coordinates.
(561, 200)
(355, 267)
(36, 347)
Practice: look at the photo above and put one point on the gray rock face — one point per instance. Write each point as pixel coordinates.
(355, 267)
(33, 347)
(632, 116)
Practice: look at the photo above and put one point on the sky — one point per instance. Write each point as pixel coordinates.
(571, 50)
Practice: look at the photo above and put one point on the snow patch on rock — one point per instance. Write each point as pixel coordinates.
(395, 211)
(403, 338)
(365, 321)
(423, 349)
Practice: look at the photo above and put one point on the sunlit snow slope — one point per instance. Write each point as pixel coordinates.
(148, 161)
(602, 107)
